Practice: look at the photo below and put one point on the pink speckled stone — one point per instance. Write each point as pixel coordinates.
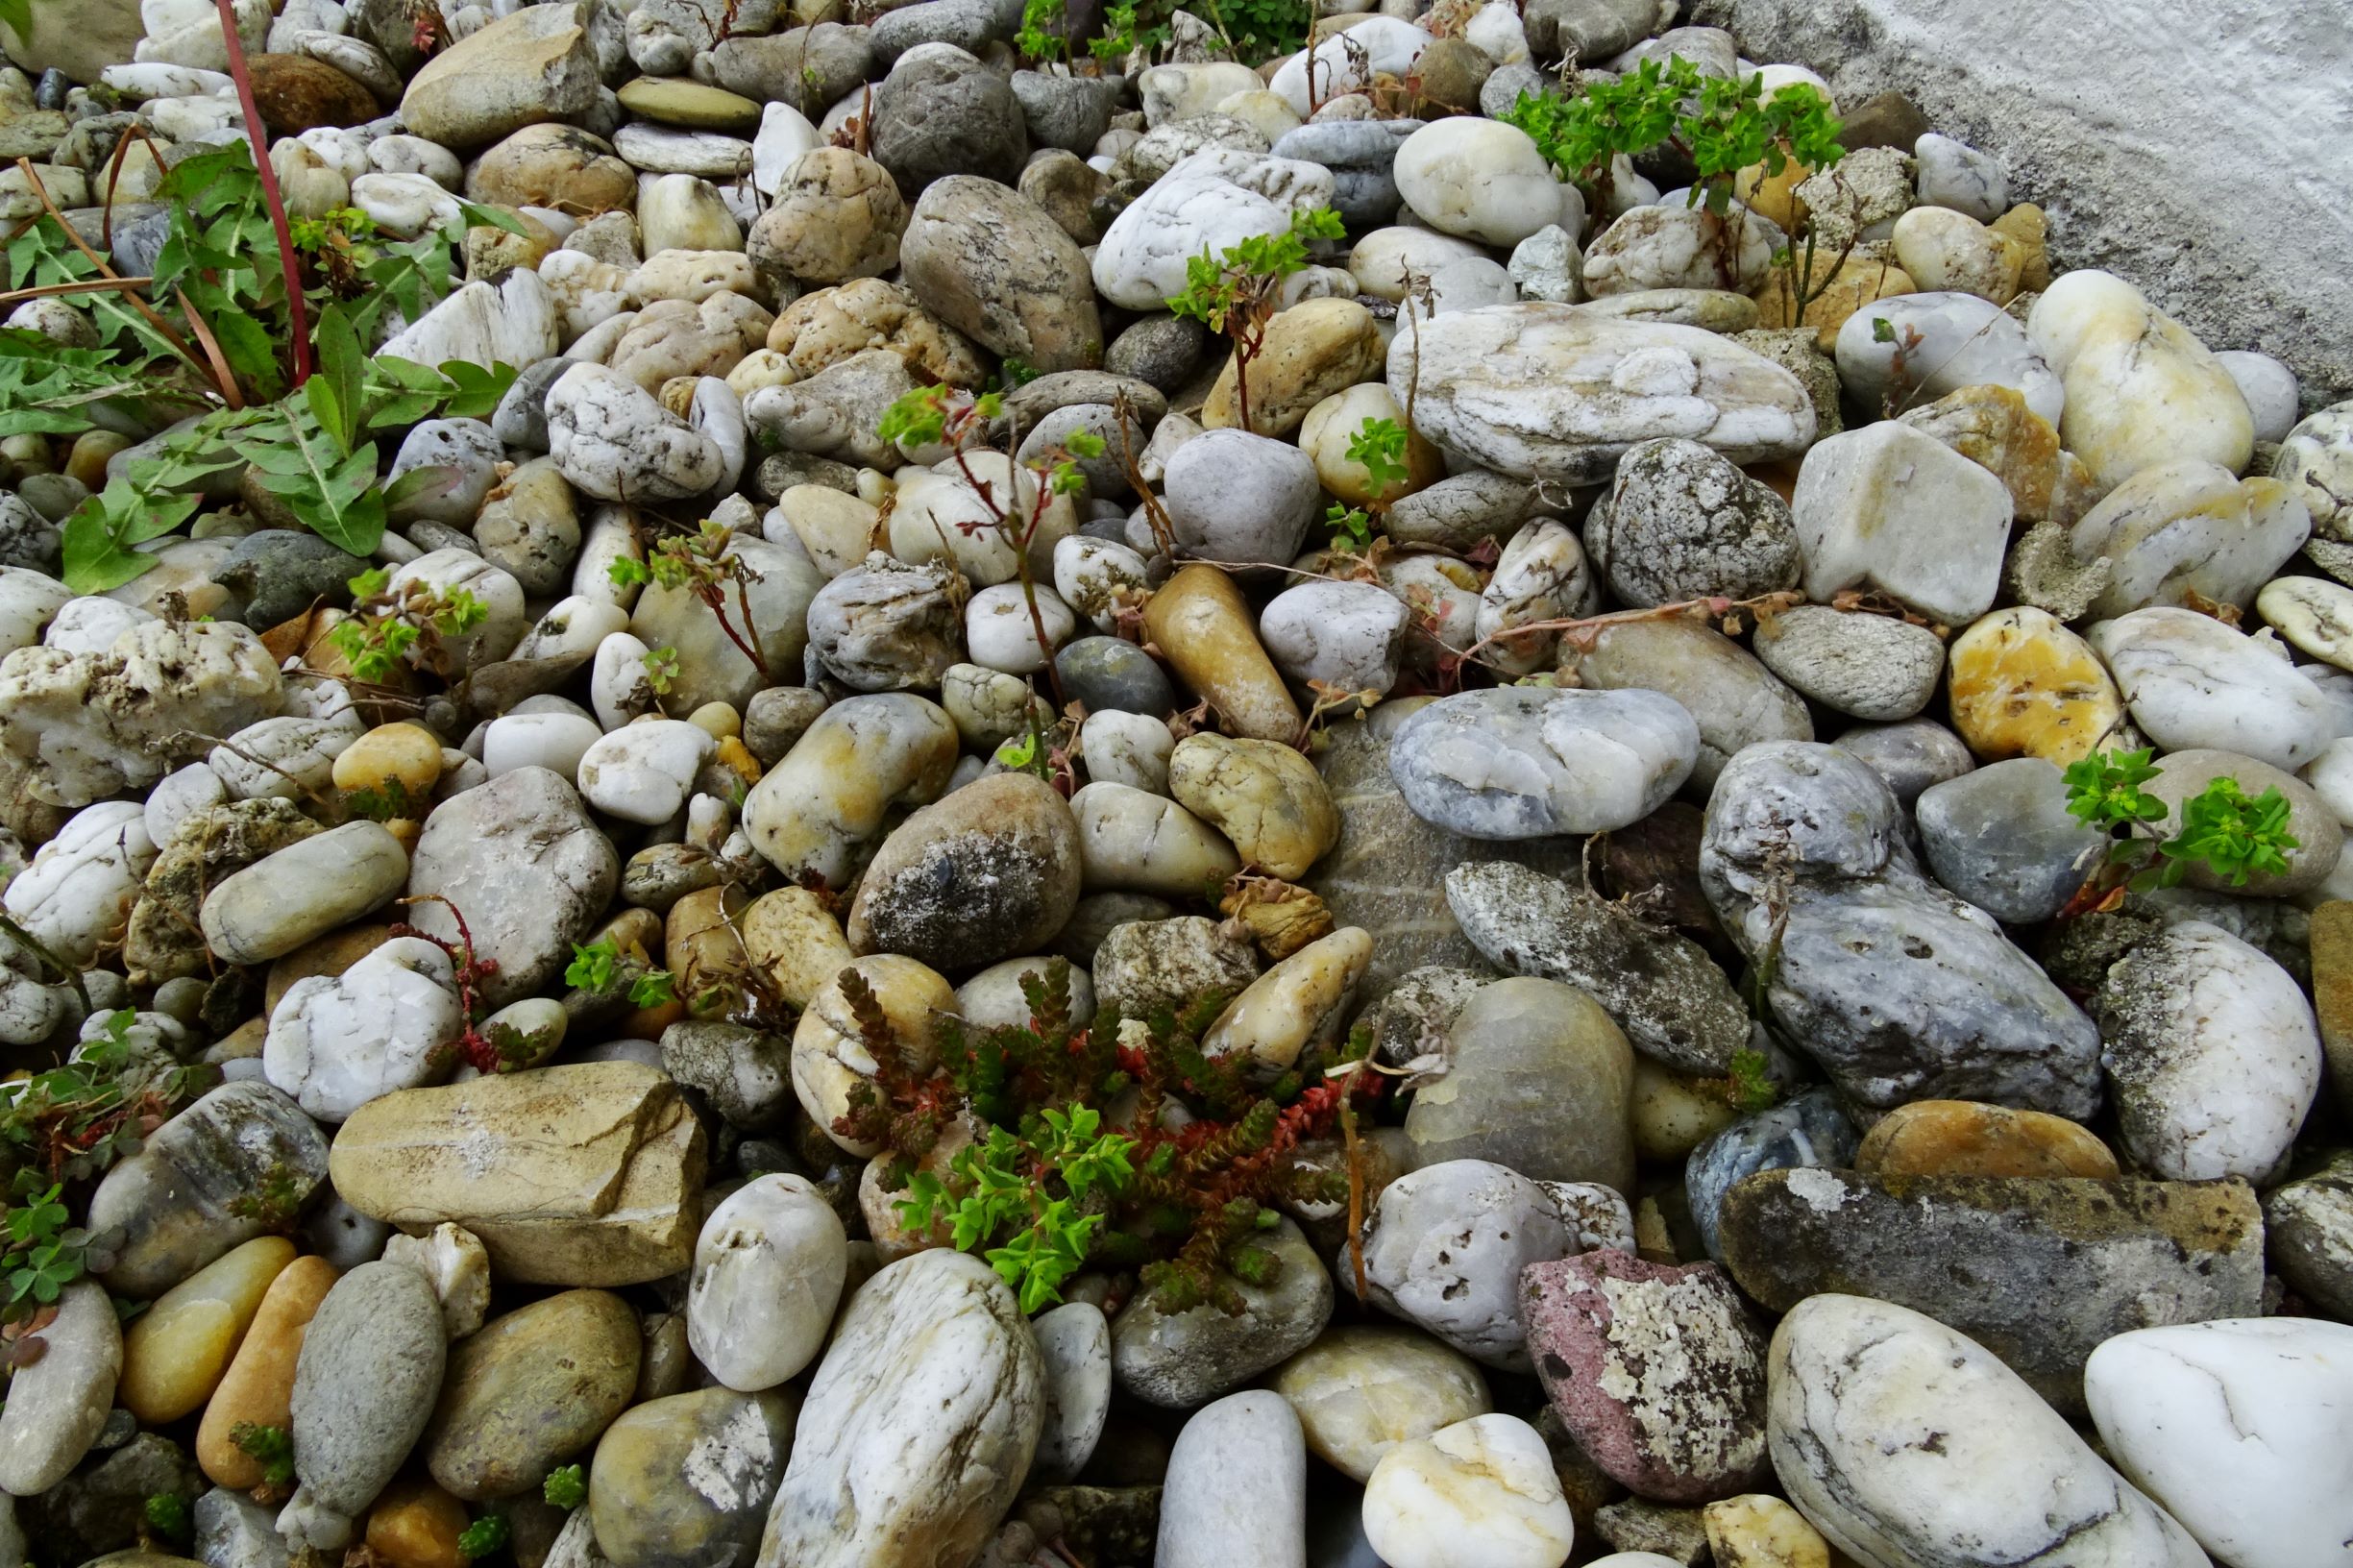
(1656, 1371)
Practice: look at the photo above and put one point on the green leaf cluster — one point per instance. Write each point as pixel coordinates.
(484, 1537)
(1044, 31)
(270, 1446)
(566, 1487)
(388, 632)
(1021, 1199)
(2234, 835)
(313, 451)
(600, 968)
(1724, 124)
(1216, 287)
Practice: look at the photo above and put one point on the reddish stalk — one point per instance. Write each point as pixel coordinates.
(256, 137)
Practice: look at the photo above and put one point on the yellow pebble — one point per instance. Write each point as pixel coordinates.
(88, 461)
(2023, 685)
(403, 752)
(1760, 1530)
(716, 719)
(416, 1524)
(175, 1352)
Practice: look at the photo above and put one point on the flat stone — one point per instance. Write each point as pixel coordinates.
(1525, 762)
(2036, 1270)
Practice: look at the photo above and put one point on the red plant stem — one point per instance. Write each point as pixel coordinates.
(256, 137)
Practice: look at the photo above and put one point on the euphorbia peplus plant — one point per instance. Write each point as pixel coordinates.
(1046, 1188)
(2234, 835)
(1236, 293)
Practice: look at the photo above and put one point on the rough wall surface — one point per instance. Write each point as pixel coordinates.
(2201, 148)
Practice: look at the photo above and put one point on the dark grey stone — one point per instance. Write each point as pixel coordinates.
(1805, 1130)
(808, 67)
(1111, 673)
(1162, 350)
(1910, 755)
(279, 572)
(942, 114)
(1067, 112)
(2002, 839)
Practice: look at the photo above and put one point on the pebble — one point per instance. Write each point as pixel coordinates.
(1360, 1390)
(1479, 1490)
(1871, 666)
(768, 1270)
(1178, 1360)
(1656, 1371)
(686, 1479)
(2190, 527)
(2190, 681)
(2315, 461)
(1733, 698)
(2023, 685)
(1204, 629)
(1444, 1247)
(1266, 798)
(304, 891)
(991, 871)
(1965, 1138)
(1521, 763)
(1887, 508)
(2213, 1053)
(1938, 343)
(530, 1391)
(1074, 1344)
(933, 1474)
(1860, 1389)
(1542, 391)
(825, 802)
(57, 1404)
(1481, 179)
(1681, 521)
(364, 1390)
(2002, 838)
(1236, 1486)
(176, 1353)
(257, 1385)
(385, 1024)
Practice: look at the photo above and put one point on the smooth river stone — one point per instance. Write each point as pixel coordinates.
(1481, 1491)
(177, 1351)
(363, 1391)
(920, 1425)
(2237, 1427)
(1545, 391)
(2140, 389)
(2036, 1270)
(685, 1482)
(1910, 1446)
(1523, 762)
(530, 1391)
(1237, 1487)
(307, 890)
(58, 1405)
(259, 1386)
(768, 1269)
(1362, 1389)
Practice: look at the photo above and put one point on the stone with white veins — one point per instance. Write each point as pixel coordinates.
(1482, 1490)
(1529, 761)
(1907, 1444)
(337, 1042)
(1349, 61)
(768, 1274)
(920, 1425)
(2188, 528)
(642, 772)
(1347, 635)
(512, 322)
(611, 439)
(2191, 681)
(1548, 392)
(1664, 991)
(2236, 1427)
(1210, 200)
(1237, 1487)
(2140, 389)
(76, 895)
(1887, 508)
(2317, 460)
(2214, 1052)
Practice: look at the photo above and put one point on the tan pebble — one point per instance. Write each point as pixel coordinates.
(259, 1386)
(716, 719)
(1204, 629)
(1760, 1530)
(796, 940)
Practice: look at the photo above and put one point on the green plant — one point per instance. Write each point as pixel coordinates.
(388, 631)
(313, 450)
(1379, 447)
(565, 1487)
(1724, 124)
(703, 563)
(661, 668)
(1117, 40)
(1019, 1197)
(1262, 28)
(1044, 33)
(277, 1201)
(484, 1537)
(1043, 1188)
(1234, 293)
(601, 968)
(269, 1446)
(166, 1516)
(2235, 837)
(72, 1122)
(1747, 1087)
